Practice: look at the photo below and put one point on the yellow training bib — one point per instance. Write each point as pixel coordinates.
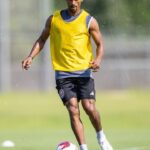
(70, 43)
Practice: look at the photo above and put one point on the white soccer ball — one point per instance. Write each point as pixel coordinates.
(66, 145)
(8, 143)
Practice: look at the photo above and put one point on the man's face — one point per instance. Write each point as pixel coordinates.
(74, 5)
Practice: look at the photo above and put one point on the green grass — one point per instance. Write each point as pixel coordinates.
(38, 121)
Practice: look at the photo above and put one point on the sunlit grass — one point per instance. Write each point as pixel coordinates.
(36, 121)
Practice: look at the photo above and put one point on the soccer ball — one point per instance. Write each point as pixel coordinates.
(66, 145)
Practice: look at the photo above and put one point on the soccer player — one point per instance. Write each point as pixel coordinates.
(73, 61)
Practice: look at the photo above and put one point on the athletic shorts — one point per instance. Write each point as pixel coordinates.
(78, 87)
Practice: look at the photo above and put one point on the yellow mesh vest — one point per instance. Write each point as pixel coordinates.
(70, 43)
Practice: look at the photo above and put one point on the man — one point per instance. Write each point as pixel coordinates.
(73, 62)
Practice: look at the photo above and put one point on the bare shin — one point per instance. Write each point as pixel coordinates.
(91, 111)
(76, 123)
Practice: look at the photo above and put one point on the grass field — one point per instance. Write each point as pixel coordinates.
(38, 121)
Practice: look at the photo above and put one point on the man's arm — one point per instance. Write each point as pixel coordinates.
(38, 46)
(97, 37)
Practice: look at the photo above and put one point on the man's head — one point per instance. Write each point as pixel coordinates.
(74, 5)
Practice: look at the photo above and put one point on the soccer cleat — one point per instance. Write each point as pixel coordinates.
(105, 145)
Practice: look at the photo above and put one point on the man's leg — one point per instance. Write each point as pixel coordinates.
(76, 123)
(90, 109)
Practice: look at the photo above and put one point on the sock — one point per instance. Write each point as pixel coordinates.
(100, 136)
(83, 147)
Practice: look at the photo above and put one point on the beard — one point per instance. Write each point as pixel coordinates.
(73, 8)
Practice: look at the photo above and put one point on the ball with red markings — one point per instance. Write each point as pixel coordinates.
(66, 145)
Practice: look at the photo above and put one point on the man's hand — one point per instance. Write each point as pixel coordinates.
(26, 64)
(95, 65)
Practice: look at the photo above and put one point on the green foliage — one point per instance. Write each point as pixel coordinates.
(121, 16)
(139, 15)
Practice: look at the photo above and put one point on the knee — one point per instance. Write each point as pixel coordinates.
(89, 108)
(73, 111)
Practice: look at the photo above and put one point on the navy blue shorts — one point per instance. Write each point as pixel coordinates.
(78, 87)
